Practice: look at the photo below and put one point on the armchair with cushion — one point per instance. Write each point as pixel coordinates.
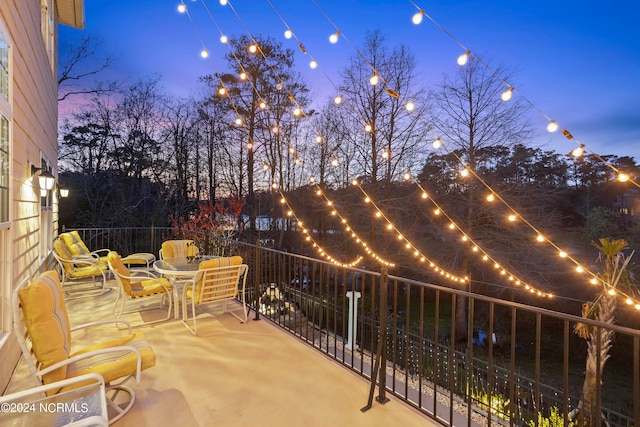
(218, 280)
(41, 326)
(78, 249)
(81, 268)
(139, 285)
(177, 248)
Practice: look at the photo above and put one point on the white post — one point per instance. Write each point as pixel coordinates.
(353, 316)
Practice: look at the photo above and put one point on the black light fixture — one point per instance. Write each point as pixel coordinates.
(45, 179)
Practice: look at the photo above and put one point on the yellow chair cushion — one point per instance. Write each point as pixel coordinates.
(74, 243)
(220, 262)
(118, 364)
(175, 248)
(47, 322)
(134, 288)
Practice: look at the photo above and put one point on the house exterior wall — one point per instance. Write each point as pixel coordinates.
(25, 239)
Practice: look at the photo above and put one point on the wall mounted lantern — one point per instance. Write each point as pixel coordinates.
(45, 179)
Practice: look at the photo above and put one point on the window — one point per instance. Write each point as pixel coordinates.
(5, 115)
(47, 26)
(5, 178)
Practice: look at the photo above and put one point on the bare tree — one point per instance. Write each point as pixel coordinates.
(78, 66)
(473, 121)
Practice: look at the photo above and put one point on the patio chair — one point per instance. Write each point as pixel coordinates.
(217, 281)
(78, 249)
(177, 248)
(81, 268)
(42, 329)
(138, 285)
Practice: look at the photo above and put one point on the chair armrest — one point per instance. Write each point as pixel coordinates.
(102, 322)
(138, 273)
(89, 354)
(21, 395)
(97, 252)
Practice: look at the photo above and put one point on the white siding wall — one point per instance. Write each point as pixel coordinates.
(33, 136)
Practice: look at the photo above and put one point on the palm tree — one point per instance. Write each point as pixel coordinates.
(614, 275)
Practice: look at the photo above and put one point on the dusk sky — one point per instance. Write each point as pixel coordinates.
(577, 62)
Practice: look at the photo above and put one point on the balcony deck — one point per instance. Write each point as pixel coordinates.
(234, 374)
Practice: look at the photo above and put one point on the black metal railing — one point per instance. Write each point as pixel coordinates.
(516, 365)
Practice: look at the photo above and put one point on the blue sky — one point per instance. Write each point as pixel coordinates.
(577, 62)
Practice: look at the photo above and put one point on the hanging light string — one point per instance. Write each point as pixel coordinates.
(552, 125)
(511, 278)
(309, 238)
(244, 76)
(541, 238)
(349, 229)
(182, 8)
(339, 99)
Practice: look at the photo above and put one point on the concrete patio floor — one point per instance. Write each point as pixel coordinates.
(235, 374)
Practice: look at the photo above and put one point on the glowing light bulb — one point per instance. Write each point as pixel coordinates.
(182, 8)
(367, 199)
(437, 211)
(462, 59)
(577, 152)
(224, 39)
(354, 182)
(334, 162)
(368, 127)
(263, 105)
(580, 269)
(222, 91)
(238, 121)
(297, 112)
(275, 129)
(437, 143)
(288, 34)
(253, 48)
(506, 95)
(374, 80)
(243, 76)
(563, 254)
(313, 64)
(491, 197)
(407, 176)
(512, 218)
(540, 238)
(410, 106)
(552, 126)
(425, 195)
(224, 2)
(337, 99)
(417, 18)
(452, 226)
(333, 38)
(464, 173)
(204, 53)
(318, 138)
(623, 177)
(279, 86)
